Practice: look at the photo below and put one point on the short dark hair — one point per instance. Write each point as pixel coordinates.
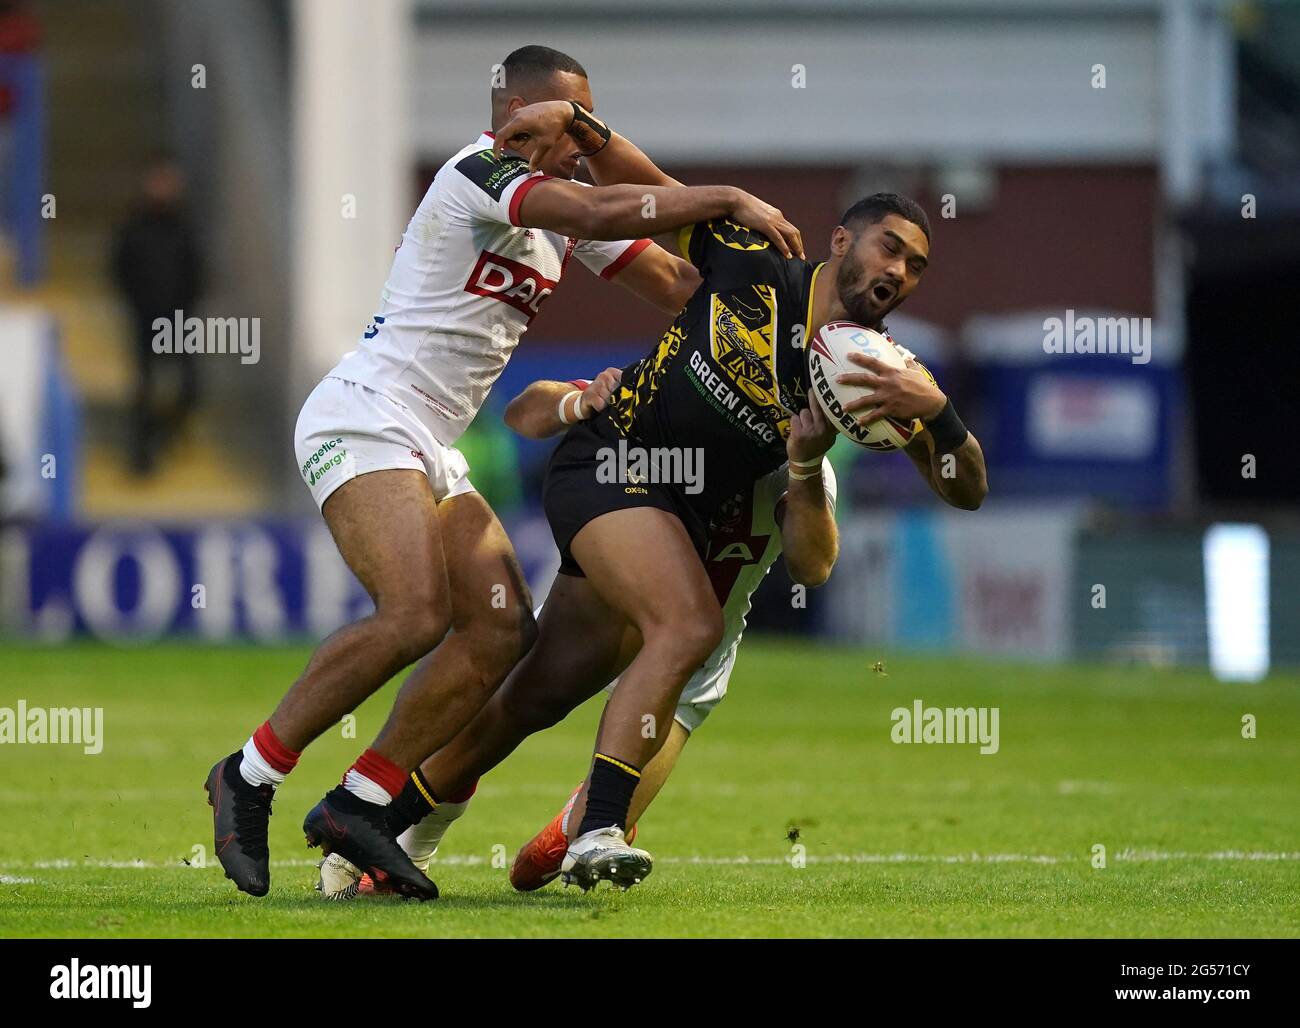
(529, 61)
(871, 210)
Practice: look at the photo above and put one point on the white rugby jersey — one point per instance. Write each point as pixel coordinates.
(744, 542)
(465, 283)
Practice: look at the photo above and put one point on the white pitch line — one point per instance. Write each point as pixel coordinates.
(474, 860)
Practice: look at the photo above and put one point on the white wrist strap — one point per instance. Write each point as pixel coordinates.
(796, 477)
(804, 465)
(577, 407)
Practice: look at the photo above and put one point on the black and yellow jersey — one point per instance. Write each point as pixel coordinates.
(727, 374)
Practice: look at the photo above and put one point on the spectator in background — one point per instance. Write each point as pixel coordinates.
(20, 33)
(156, 266)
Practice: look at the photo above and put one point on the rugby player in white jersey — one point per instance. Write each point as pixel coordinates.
(376, 439)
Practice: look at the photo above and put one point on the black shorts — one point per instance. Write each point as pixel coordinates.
(573, 495)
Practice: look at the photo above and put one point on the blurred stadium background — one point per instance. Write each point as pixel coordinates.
(1132, 158)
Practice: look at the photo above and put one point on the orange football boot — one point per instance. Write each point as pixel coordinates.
(538, 862)
(541, 856)
(366, 887)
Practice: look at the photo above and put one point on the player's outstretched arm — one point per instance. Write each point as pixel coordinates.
(547, 408)
(633, 198)
(630, 212)
(809, 538)
(612, 158)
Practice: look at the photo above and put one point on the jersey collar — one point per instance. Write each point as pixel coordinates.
(812, 292)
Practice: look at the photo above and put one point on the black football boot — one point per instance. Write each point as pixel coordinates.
(240, 813)
(346, 824)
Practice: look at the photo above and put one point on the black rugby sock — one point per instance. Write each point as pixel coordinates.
(610, 795)
(412, 804)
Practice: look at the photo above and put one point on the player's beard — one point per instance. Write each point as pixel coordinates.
(856, 298)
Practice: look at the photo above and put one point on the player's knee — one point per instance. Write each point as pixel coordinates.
(703, 637)
(545, 710)
(690, 638)
(415, 628)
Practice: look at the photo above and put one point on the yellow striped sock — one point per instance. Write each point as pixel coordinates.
(428, 796)
(619, 764)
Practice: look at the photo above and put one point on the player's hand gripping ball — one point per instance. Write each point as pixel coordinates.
(869, 390)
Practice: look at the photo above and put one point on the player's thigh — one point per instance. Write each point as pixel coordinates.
(385, 525)
(489, 590)
(641, 562)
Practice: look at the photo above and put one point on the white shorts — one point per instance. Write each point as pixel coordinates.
(703, 692)
(345, 430)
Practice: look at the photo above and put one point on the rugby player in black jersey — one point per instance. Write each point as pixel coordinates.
(727, 381)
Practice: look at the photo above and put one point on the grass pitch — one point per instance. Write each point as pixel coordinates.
(1199, 825)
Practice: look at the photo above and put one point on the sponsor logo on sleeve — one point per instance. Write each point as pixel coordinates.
(491, 175)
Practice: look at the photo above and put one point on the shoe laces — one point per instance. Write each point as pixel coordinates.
(252, 812)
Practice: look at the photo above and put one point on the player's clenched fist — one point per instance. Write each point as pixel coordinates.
(596, 397)
(579, 405)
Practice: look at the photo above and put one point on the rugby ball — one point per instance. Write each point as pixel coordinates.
(828, 356)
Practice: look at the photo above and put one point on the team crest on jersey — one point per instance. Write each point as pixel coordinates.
(492, 175)
(730, 515)
(742, 330)
(518, 285)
